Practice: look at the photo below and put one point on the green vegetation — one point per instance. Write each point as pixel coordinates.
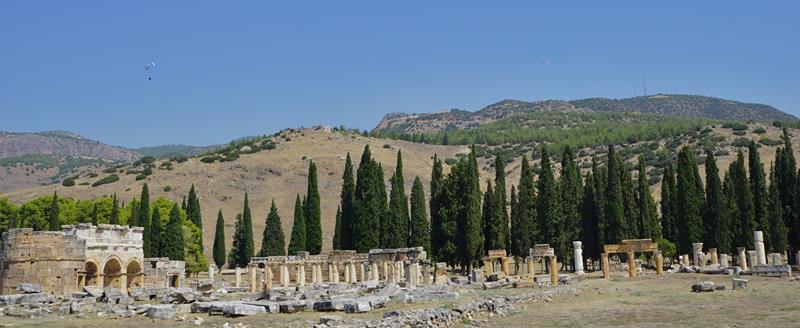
(272, 241)
(297, 242)
(219, 241)
(313, 213)
(106, 180)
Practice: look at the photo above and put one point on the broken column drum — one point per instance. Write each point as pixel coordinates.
(761, 256)
(578, 256)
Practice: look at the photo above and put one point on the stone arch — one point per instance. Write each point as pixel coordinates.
(93, 276)
(134, 274)
(113, 276)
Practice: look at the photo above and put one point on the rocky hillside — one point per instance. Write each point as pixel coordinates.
(673, 105)
(60, 143)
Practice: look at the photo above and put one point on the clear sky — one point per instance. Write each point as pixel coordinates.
(228, 69)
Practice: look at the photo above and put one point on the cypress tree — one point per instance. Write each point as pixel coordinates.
(54, 223)
(758, 186)
(571, 189)
(219, 241)
(297, 242)
(441, 245)
(787, 183)
(778, 233)
(114, 216)
(237, 248)
(549, 209)
(337, 232)
(420, 231)
(94, 215)
(500, 218)
(381, 203)
(396, 228)
(347, 205)
(668, 229)
(368, 204)
(156, 239)
(183, 203)
(648, 217)
(615, 228)
(172, 243)
(469, 216)
(590, 220)
(143, 219)
(486, 217)
(193, 211)
(526, 227)
(313, 213)
(247, 248)
(600, 175)
(272, 241)
(716, 222)
(688, 217)
(513, 204)
(741, 204)
(634, 229)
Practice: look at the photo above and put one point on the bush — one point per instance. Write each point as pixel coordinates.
(141, 177)
(451, 161)
(147, 159)
(387, 146)
(741, 142)
(83, 184)
(777, 124)
(770, 142)
(147, 171)
(68, 182)
(210, 159)
(167, 189)
(106, 180)
(92, 175)
(110, 170)
(735, 126)
(667, 248)
(760, 130)
(269, 146)
(179, 159)
(739, 133)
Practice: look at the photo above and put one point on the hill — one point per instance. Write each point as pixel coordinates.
(278, 169)
(669, 105)
(62, 144)
(167, 151)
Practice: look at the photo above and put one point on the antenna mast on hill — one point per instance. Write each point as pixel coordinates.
(644, 82)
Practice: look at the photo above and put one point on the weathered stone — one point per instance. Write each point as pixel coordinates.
(270, 307)
(163, 311)
(94, 291)
(330, 305)
(26, 299)
(292, 306)
(239, 310)
(389, 290)
(705, 286)
(739, 283)
(27, 288)
(329, 319)
(358, 307)
(784, 270)
(496, 276)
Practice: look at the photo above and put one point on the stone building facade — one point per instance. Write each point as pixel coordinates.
(63, 262)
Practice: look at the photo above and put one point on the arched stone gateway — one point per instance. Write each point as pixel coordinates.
(112, 274)
(135, 275)
(92, 277)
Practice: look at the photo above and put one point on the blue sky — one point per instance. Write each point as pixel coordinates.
(231, 69)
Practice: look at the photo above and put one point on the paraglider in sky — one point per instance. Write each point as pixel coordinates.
(148, 68)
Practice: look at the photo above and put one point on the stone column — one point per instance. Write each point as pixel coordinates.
(604, 265)
(268, 278)
(504, 265)
(373, 271)
(284, 275)
(631, 265)
(712, 253)
(301, 275)
(529, 264)
(723, 261)
(697, 254)
(362, 271)
(412, 277)
(314, 274)
(776, 258)
(353, 276)
(742, 257)
(578, 256)
(553, 271)
(659, 262)
(797, 258)
(211, 272)
(752, 256)
(386, 274)
(253, 281)
(761, 257)
(686, 261)
(347, 273)
(335, 273)
(488, 267)
(401, 276)
(238, 279)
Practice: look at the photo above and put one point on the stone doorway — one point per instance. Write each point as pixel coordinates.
(112, 274)
(92, 278)
(135, 275)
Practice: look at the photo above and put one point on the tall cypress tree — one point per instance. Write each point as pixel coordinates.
(549, 209)
(237, 247)
(486, 217)
(648, 217)
(469, 216)
(438, 238)
(513, 204)
(789, 188)
(741, 204)
(368, 204)
(156, 239)
(272, 241)
(571, 189)
(668, 229)
(634, 229)
(600, 177)
(219, 241)
(337, 232)
(297, 242)
(247, 248)
(54, 223)
(716, 222)
(396, 228)
(501, 217)
(616, 227)
(590, 220)
(172, 243)
(347, 205)
(420, 230)
(193, 211)
(94, 215)
(526, 228)
(313, 214)
(778, 233)
(144, 220)
(114, 216)
(758, 186)
(688, 217)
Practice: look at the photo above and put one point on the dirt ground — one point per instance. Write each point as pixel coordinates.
(665, 301)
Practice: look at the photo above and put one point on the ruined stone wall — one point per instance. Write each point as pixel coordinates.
(48, 258)
(161, 272)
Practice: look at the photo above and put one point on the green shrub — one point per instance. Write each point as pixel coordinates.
(68, 182)
(147, 159)
(739, 133)
(667, 248)
(741, 142)
(141, 177)
(106, 180)
(387, 146)
(210, 159)
(85, 183)
(147, 171)
(770, 142)
(451, 161)
(110, 170)
(269, 146)
(735, 126)
(92, 175)
(167, 189)
(760, 130)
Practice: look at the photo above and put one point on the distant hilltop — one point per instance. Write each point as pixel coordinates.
(663, 104)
